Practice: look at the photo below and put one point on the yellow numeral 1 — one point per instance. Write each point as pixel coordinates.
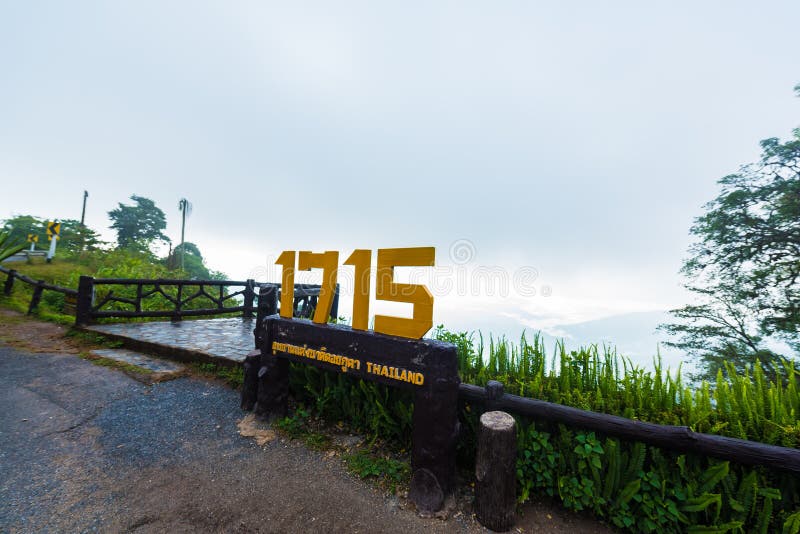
(287, 261)
(361, 259)
(328, 261)
(386, 289)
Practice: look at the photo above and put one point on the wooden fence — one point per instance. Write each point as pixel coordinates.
(39, 286)
(127, 298)
(676, 438)
(100, 298)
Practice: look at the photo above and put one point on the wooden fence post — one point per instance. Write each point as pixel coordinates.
(37, 296)
(495, 463)
(494, 390)
(272, 397)
(267, 305)
(83, 307)
(176, 317)
(9, 285)
(252, 363)
(249, 297)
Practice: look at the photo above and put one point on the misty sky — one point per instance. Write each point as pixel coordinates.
(578, 139)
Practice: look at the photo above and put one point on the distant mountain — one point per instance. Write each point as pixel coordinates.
(633, 334)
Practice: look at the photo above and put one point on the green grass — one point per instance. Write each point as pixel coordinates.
(114, 364)
(232, 376)
(93, 338)
(389, 472)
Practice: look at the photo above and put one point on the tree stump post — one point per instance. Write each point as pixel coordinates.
(251, 366)
(272, 395)
(267, 305)
(9, 285)
(495, 463)
(494, 391)
(249, 298)
(37, 297)
(83, 307)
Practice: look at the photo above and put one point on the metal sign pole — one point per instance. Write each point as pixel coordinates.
(52, 251)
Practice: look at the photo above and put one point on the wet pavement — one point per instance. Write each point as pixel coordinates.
(224, 340)
(154, 365)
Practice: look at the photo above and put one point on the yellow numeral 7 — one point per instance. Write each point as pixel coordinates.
(328, 261)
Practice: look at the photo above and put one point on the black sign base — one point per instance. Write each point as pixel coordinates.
(427, 367)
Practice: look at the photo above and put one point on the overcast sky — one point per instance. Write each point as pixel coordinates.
(578, 139)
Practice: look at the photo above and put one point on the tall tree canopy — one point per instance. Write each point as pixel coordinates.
(194, 264)
(138, 225)
(745, 265)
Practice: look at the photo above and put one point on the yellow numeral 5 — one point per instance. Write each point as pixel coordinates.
(387, 289)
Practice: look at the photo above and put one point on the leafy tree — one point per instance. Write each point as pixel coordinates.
(194, 264)
(745, 265)
(74, 237)
(20, 226)
(138, 225)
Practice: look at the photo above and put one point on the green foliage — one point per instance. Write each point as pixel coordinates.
(233, 376)
(73, 237)
(138, 225)
(194, 267)
(9, 246)
(744, 267)
(294, 425)
(368, 407)
(366, 465)
(636, 487)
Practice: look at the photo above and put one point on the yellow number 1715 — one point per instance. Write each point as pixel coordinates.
(386, 288)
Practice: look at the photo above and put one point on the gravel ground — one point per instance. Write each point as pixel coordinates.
(85, 448)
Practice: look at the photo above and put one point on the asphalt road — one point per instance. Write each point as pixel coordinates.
(87, 449)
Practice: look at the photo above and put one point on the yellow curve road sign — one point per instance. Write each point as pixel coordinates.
(53, 228)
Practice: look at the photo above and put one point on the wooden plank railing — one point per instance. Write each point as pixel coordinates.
(100, 298)
(39, 286)
(676, 438)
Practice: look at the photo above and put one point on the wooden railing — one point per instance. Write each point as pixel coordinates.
(39, 286)
(100, 298)
(676, 438)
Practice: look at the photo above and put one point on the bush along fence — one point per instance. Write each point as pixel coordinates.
(39, 286)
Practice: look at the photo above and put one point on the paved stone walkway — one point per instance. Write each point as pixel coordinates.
(223, 340)
(154, 365)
